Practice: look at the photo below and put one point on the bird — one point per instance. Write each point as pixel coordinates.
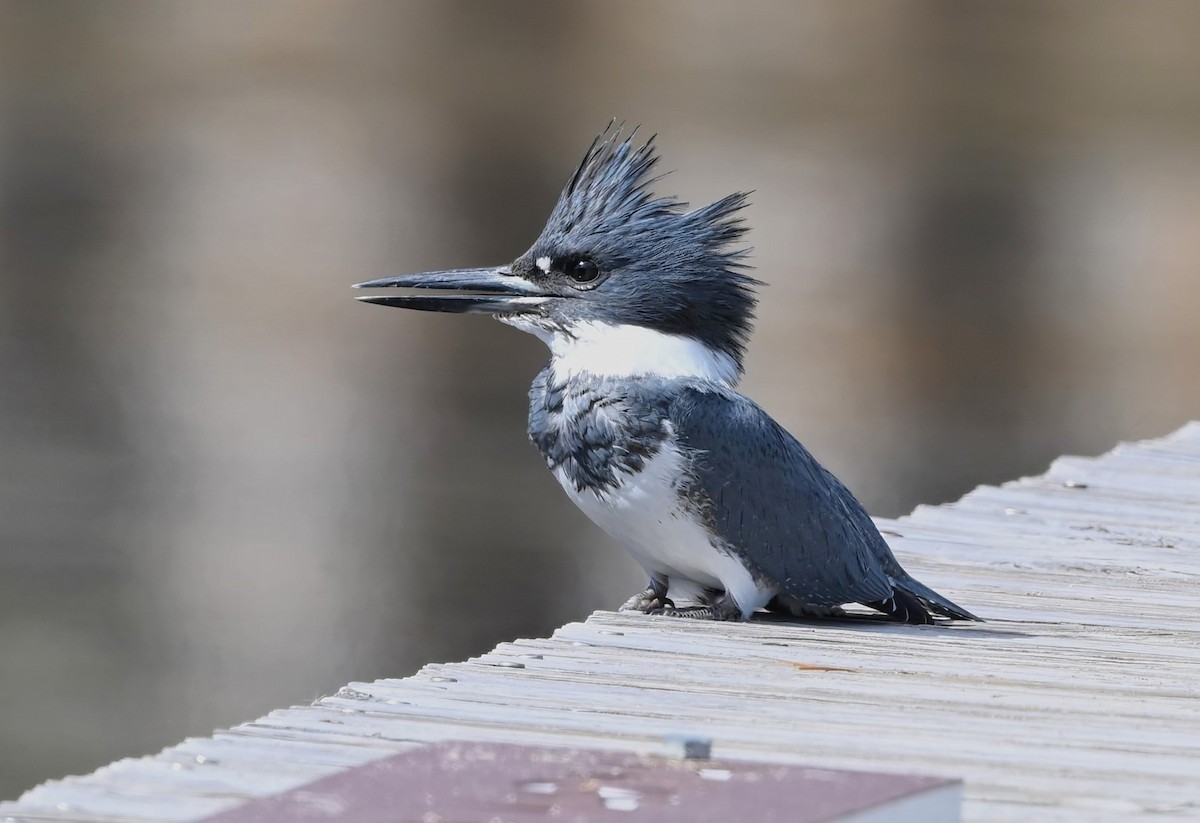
(646, 306)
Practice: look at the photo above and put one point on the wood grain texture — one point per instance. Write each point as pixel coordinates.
(1078, 700)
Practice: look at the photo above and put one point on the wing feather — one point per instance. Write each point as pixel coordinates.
(772, 502)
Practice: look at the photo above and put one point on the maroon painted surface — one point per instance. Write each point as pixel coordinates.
(483, 783)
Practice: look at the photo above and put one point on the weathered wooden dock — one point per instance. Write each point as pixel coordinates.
(1078, 700)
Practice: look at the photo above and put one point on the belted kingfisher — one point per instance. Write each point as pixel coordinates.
(646, 308)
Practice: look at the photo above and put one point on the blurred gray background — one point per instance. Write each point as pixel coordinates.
(227, 487)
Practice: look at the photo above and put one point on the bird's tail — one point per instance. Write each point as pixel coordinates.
(932, 600)
(902, 607)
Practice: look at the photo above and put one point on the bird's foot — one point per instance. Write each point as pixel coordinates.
(648, 601)
(694, 612)
(726, 608)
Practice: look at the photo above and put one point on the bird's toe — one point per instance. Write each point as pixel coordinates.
(647, 602)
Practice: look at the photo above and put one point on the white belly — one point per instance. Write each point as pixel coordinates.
(643, 514)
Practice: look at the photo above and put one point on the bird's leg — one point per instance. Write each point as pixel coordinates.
(654, 597)
(723, 608)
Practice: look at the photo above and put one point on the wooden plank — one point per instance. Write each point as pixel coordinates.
(1076, 701)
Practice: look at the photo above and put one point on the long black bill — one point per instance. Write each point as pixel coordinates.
(487, 291)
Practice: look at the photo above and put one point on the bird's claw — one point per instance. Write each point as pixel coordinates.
(647, 602)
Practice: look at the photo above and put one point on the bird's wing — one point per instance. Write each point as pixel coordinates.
(773, 503)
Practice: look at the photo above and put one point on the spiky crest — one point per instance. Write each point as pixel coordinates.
(679, 269)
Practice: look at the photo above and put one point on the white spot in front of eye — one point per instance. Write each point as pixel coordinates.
(543, 263)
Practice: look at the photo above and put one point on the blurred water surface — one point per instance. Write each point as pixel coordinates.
(226, 487)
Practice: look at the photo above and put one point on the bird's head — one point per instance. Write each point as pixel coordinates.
(620, 281)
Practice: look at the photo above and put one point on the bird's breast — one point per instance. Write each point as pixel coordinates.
(593, 432)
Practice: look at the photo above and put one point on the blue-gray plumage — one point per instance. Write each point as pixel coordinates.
(646, 308)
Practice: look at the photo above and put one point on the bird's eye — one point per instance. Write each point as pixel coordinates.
(582, 271)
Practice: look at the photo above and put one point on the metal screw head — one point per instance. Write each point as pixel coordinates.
(689, 747)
